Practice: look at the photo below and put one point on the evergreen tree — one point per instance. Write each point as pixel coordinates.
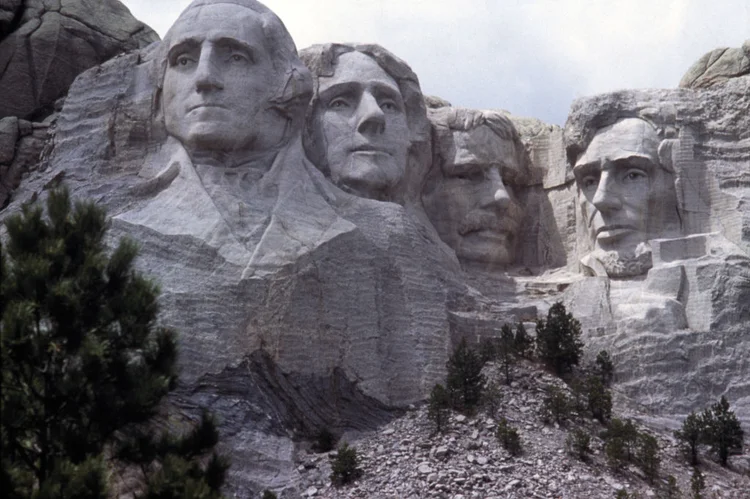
(465, 378)
(722, 430)
(345, 465)
(556, 406)
(604, 368)
(697, 483)
(558, 341)
(523, 343)
(690, 436)
(505, 351)
(83, 363)
(647, 456)
(599, 399)
(437, 407)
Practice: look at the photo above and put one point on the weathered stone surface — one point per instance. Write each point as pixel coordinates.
(21, 145)
(299, 305)
(52, 42)
(679, 334)
(366, 126)
(717, 66)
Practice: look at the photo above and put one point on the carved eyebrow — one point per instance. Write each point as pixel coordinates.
(384, 90)
(181, 47)
(347, 87)
(233, 43)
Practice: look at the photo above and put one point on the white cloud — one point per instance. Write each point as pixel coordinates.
(532, 57)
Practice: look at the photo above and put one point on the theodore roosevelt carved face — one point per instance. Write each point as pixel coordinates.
(469, 194)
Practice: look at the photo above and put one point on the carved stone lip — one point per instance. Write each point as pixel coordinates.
(368, 148)
(616, 228)
(206, 105)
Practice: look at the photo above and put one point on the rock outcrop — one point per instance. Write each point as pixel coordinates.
(44, 45)
(718, 66)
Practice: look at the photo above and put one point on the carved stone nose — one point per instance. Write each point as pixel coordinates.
(370, 118)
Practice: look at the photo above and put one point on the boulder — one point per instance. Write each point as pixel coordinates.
(717, 66)
(44, 45)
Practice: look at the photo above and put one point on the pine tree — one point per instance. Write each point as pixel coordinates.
(647, 456)
(505, 351)
(599, 399)
(697, 483)
(690, 435)
(438, 406)
(84, 364)
(558, 341)
(722, 430)
(604, 368)
(465, 379)
(523, 343)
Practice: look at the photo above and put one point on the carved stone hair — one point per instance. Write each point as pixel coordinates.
(322, 60)
(295, 82)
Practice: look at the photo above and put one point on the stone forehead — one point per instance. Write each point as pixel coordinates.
(480, 146)
(625, 138)
(359, 67)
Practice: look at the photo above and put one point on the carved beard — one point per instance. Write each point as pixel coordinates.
(616, 264)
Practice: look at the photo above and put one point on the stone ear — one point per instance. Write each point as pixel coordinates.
(665, 154)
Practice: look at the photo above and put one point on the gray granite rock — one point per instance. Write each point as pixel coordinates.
(717, 66)
(44, 45)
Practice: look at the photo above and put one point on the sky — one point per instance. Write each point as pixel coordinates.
(529, 57)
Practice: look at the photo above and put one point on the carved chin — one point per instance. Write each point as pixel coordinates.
(616, 264)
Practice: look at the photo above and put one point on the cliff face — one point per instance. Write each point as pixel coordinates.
(301, 305)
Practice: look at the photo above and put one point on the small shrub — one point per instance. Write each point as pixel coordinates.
(506, 351)
(556, 406)
(620, 443)
(345, 465)
(508, 437)
(697, 484)
(325, 441)
(578, 443)
(672, 491)
(438, 407)
(267, 494)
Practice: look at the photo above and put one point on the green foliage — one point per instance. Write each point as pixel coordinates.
(558, 341)
(465, 379)
(325, 441)
(556, 406)
(505, 351)
(604, 368)
(623, 494)
(491, 399)
(621, 439)
(690, 436)
(508, 437)
(523, 344)
(345, 465)
(578, 443)
(84, 364)
(671, 490)
(267, 494)
(647, 457)
(722, 430)
(599, 399)
(697, 484)
(438, 407)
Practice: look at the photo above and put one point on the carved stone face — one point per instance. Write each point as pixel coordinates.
(219, 81)
(470, 201)
(362, 120)
(626, 196)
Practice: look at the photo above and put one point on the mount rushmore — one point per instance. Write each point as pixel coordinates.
(324, 234)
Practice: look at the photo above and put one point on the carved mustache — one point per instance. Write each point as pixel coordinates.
(482, 220)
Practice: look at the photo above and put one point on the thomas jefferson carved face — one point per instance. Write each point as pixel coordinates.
(219, 81)
(627, 197)
(361, 118)
(469, 195)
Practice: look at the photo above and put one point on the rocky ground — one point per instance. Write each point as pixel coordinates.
(407, 459)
